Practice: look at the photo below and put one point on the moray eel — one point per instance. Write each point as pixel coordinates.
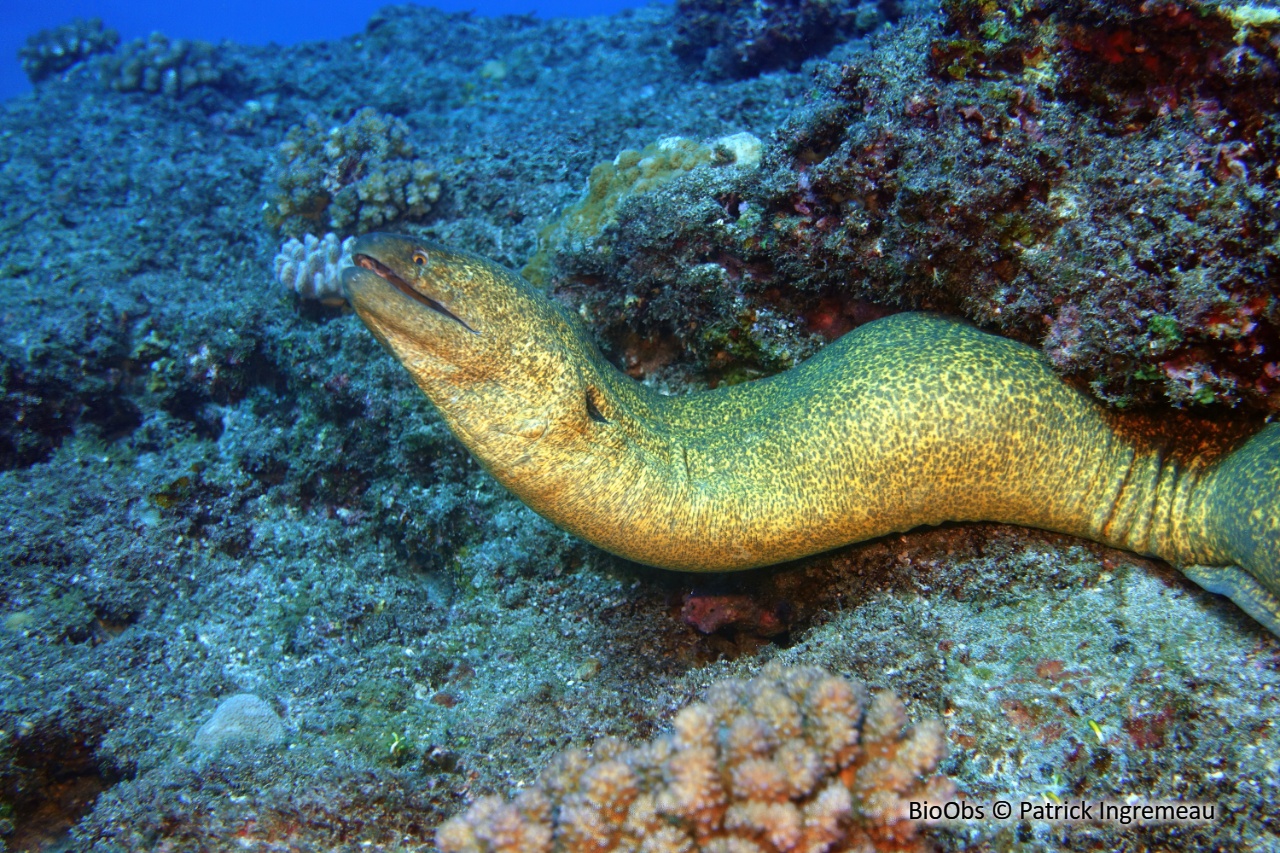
(906, 421)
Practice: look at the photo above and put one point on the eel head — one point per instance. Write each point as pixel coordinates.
(507, 367)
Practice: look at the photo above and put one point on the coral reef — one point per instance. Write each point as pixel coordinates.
(1094, 179)
(160, 65)
(50, 51)
(350, 178)
(794, 759)
(208, 492)
(739, 38)
(312, 268)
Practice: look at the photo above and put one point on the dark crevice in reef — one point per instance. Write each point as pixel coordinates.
(41, 404)
(35, 415)
(50, 777)
(220, 376)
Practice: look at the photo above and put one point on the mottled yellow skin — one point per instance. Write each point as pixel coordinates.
(906, 421)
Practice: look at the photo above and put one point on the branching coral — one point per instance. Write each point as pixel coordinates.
(797, 759)
(50, 51)
(163, 66)
(350, 178)
(312, 267)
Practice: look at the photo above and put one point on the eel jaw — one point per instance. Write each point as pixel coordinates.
(384, 272)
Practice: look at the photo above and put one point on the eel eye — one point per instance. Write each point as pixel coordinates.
(420, 259)
(593, 406)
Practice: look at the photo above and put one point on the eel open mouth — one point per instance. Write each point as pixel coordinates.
(383, 271)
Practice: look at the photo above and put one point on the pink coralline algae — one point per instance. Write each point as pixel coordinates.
(708, 613)
(792, 760)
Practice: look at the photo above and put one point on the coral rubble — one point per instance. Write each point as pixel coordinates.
(629, 174)
(242, 720)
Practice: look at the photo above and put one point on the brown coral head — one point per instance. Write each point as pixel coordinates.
(794, 759)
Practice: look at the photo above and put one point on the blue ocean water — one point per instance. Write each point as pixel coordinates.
(244, 21)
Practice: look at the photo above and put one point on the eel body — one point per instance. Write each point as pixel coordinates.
(910, 420)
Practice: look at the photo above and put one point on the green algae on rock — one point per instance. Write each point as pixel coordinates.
(630, 174)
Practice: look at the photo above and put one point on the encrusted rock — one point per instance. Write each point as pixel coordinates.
(241, 720)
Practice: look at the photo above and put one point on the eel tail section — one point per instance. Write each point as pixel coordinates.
(1239, 501)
